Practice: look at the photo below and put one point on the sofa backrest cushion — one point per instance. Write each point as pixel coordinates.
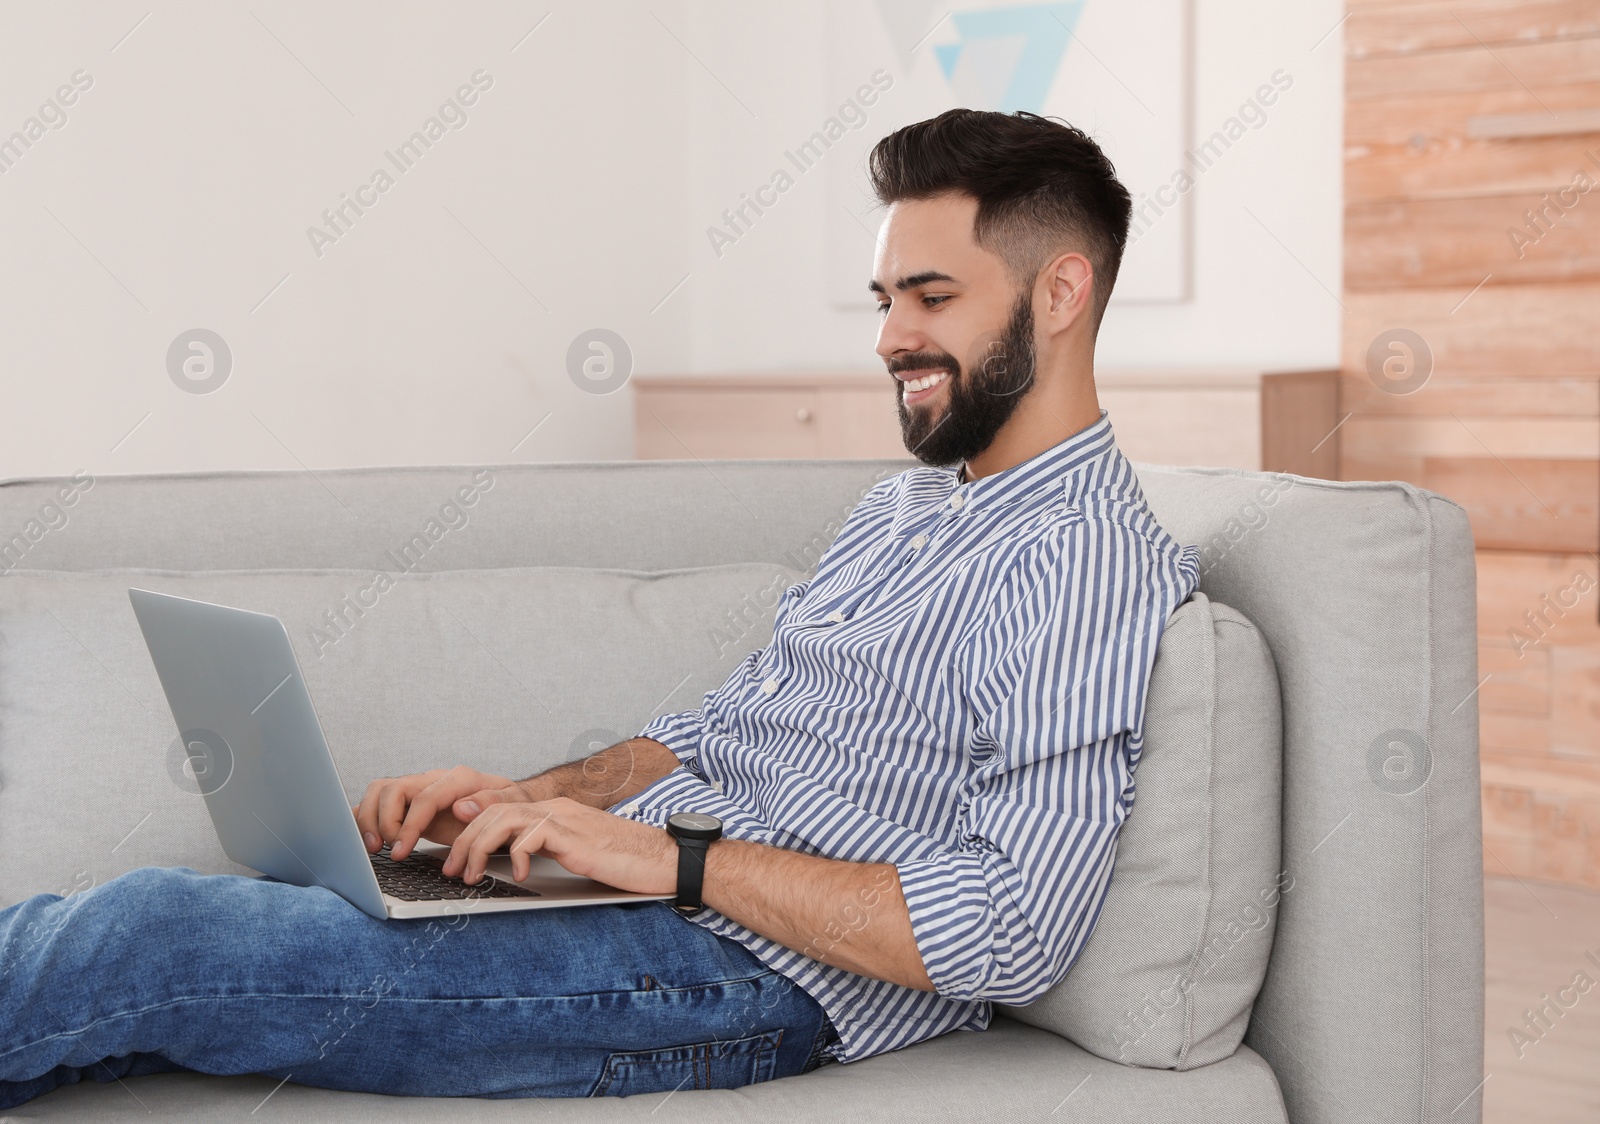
(514, 670)
(1180, 949)
(511, 671)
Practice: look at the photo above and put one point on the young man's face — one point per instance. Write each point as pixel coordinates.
(956, 334)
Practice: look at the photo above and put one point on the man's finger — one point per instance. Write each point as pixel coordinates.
(392, 803)
(367, 810)
(424, 807)
(460, 856)
(528, 844)
(469, 806)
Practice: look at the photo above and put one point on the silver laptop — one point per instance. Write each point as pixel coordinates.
(269, 781)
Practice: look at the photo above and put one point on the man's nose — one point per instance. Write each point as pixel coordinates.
(898, 334)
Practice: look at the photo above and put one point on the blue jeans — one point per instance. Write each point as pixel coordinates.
(164, 968)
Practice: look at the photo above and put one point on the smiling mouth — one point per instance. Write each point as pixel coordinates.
(919, 385)
(923, 382)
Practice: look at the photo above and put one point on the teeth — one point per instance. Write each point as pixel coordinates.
(927, 380)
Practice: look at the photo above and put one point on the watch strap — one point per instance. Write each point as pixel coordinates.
(691, 874)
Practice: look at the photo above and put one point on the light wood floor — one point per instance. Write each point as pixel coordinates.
(1537, 935)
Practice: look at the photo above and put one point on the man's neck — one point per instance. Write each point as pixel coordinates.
(1041, 422)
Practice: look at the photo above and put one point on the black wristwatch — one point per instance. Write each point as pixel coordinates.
(695, 832)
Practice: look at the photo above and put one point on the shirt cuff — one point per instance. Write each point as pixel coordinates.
(951, 921)
(679, 733)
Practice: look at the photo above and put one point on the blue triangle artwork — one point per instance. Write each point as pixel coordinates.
(1007, 58)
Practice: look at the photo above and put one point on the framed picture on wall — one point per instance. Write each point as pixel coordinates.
(1117, 70)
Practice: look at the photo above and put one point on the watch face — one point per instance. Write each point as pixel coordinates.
(695, 822)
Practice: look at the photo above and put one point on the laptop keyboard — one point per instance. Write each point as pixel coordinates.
(421, 878)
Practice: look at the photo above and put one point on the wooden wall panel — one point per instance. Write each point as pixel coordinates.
(1460, 118)
(1466, 436)
(1498, 331)
(1539, 713)
(1522, 503)
(1575, 708)
(1528, 397)
(1454, 144)
(1518, 683)
(1460, 242)
(1473, 68)
(1529, 834)
(1520, 595)
(1443, 163)
(1375, 30)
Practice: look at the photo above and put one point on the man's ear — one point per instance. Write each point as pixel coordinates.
(1069, 289)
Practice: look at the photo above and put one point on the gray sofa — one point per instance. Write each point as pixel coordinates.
(1371, 1005)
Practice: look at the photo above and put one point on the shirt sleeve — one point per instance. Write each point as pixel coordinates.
(680, 733)
(1057, 675)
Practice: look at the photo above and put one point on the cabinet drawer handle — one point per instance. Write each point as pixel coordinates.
(802, 414)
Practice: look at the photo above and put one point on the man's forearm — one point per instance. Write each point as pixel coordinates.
(607, 777)
(848, 914)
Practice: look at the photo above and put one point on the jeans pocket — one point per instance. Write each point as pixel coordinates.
(707, 1065)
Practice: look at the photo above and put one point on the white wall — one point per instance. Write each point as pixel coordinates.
(179, 192)
(192, 167)
(762, 305)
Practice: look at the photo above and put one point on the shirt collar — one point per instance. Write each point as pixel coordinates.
(1043, 474)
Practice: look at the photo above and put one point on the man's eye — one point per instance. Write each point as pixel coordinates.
(930, 301)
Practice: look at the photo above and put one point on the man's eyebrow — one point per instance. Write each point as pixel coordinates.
(914, 281)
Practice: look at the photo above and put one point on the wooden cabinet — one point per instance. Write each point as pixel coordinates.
(1224, 417)
(717, 417)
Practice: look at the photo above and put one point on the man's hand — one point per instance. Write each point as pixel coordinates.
(432, 805)
(588, 841)
(852, 915)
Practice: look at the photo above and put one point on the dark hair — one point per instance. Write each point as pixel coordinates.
(1042, 187)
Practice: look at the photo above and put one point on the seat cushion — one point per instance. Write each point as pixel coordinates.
(1008, 1072)
(510, 671)
(1180, 950)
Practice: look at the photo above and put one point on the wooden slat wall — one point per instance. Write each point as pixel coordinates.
(1472, 196)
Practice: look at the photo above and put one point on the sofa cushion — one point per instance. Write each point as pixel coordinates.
(1180, 950)
(511, 671)
(479, 667)
(1010, 1072)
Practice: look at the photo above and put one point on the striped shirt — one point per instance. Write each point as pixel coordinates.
(959, 691)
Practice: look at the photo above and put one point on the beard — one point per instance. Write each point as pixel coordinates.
(979, 399)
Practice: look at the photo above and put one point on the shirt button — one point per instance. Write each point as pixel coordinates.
(769, 687)
(631, 808)
(958, 501)
(836, 617)
(919, 542)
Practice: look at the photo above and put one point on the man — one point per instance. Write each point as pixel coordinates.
(920, 781)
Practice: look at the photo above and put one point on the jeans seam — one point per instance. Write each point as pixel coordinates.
(324, 997)
(699, 1058)
(79, 1032)
(819, 1045)
(687, 987)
